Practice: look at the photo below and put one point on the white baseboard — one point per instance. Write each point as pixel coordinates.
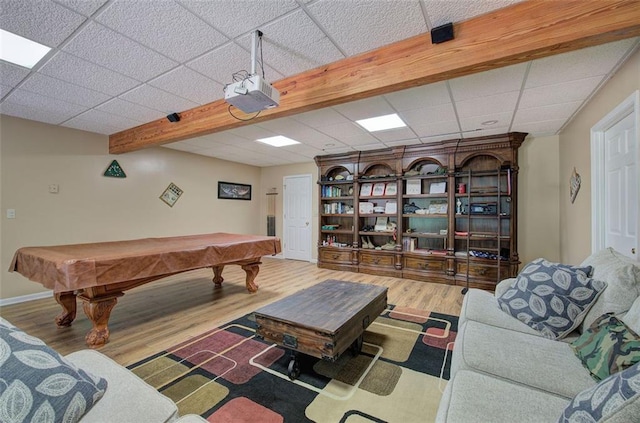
(25, 298)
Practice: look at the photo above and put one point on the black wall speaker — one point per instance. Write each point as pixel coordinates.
(442, 33)
(173, 117)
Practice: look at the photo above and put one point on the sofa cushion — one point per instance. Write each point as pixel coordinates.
(622, 276)
(476, 397)
(519, 358)
(482, 306)
(615, 399)
(128, 399)
(550, 297)
(40, 385)
(607, 347)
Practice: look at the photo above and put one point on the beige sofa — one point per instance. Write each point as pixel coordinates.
(504, 371)
(127, 398)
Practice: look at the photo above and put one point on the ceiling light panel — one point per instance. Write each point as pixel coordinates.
(278, 141)
(21, 51)
(381, 123)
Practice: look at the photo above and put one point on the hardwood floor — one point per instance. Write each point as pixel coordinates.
(158, 315)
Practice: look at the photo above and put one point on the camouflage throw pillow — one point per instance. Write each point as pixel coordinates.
(607, 347)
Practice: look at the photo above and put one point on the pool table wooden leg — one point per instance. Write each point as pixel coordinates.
(217, 275)
(68, 302)
(98, 310)
(251, 270)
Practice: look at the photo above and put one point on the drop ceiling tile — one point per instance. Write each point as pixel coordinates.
(356, 26)
(43, 21)
(410, 141)
(294, 44)
(40, 102)
(12, 75)
(579, 64)
(152, 97)
(51, 87)
(304, 150)
(84, 7)
(366, 108)
(475, 122)
(114, 121)
(163, 26)
(563, 92)
(53, 117)
(368, 147)
(78, 71)
(223, 14)
(415, 98)
(342, 130)
(111, 50)
(320, 118)
(436, 129)
(429, 115)
(479, 106)
(221, 63)
(540, 129)
(358, 140)
(441, 12)
(98, 127)
(486, 132)
(119, 107)
(437, 138)
(394, 134)
(483, 84)
(252, 132)
(189, 84)
(4, 90)
(551, 112)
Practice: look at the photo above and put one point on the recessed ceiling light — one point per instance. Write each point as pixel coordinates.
(278, 141)
(381, 123)
(489, 122)
(20, 51)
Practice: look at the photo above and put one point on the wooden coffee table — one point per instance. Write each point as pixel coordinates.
(322, 321)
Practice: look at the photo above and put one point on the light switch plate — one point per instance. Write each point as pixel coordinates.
(11, 213)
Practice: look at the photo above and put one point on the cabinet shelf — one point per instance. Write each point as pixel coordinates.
(430, 247)
(425, 216)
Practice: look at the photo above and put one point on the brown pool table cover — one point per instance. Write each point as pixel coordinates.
(78, 266)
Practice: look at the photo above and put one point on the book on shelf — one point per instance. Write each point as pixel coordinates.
(438, 188)
(391, 188)
(408, 243)
(378, 189)
(414, 186)
(366, 189)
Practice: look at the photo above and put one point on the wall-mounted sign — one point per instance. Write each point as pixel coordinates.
(574, 185)
(115, 171)
(171, 194)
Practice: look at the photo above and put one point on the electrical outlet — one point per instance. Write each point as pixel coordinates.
(53, 188)
(11, 213)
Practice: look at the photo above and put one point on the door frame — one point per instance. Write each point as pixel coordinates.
(309, 177)
(630, 105)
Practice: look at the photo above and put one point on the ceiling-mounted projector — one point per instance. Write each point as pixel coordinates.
(252, 94)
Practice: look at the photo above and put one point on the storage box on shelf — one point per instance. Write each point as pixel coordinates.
(440, 212)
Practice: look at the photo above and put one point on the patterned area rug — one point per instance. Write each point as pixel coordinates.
(229, 375)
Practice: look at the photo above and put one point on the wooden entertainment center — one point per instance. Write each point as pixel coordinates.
(441, 212)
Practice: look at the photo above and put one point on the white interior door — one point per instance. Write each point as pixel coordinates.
(297, 217)
(621, 194)
(615, 169)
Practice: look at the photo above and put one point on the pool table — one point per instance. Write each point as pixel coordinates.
(99, 273)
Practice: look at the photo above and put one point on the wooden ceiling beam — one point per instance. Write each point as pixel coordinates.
(522, 32)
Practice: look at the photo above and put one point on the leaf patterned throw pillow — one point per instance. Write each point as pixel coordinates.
(615, 399)
(38, 385)
(607, 347)
(552, 298)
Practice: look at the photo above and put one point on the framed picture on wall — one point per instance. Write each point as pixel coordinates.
(234, 191)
